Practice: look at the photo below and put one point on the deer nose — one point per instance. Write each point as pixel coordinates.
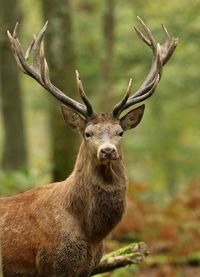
(108, 150)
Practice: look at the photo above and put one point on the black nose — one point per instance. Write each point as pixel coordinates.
(107, 150)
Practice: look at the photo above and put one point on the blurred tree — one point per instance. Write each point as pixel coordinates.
(108, 22)
(61, 59)
(14, 149)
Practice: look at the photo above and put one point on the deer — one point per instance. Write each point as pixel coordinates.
(58, 229)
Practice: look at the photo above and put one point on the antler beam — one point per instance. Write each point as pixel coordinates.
(39, 71)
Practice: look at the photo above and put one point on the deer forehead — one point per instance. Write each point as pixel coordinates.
(104, 124)
(104, 128)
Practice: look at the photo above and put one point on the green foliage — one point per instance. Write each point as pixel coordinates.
(19, 181)
(195, 258)
(15, 182)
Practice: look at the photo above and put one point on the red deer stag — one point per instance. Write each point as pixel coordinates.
(57, 230)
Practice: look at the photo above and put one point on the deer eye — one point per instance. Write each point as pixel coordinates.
(88, 135)
(121, 133)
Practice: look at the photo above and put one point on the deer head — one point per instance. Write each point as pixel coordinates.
(102, 131)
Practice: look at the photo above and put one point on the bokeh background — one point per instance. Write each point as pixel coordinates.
(161, 155)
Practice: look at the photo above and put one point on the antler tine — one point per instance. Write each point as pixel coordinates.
(169, 45)
(148, 90)
(166, 32)
(40, 71)
(150, 38)
(83, 95)
(142, 97)
(12, 39)
(15, 30)
(119, 106)
(44, 69)
(37, 46)
(141, 36)
(17, 49)
(28, 51)
(157, 72)
(161, 54)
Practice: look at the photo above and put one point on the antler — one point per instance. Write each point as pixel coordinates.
(161, 54)
(39, 71)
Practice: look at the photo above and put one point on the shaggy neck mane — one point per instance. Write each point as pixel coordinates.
(97, 193)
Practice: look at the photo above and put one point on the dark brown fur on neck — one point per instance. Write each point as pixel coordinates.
(105, 184)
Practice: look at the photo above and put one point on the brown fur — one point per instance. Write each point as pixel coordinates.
(57, 230)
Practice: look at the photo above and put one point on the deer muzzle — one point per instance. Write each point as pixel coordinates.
(107, 152)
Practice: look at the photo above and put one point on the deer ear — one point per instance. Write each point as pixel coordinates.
(132, 118)
(72, 119)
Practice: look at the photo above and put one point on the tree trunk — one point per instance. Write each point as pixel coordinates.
(107, 61)
(14, 149)
(61, 59)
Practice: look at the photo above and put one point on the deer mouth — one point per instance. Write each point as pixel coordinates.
(107, 155)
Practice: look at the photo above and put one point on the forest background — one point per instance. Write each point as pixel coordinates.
(161, 155)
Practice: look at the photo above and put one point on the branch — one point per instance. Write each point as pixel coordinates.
(134, 253)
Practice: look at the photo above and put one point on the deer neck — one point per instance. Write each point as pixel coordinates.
(93, 173)
(97, 193)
